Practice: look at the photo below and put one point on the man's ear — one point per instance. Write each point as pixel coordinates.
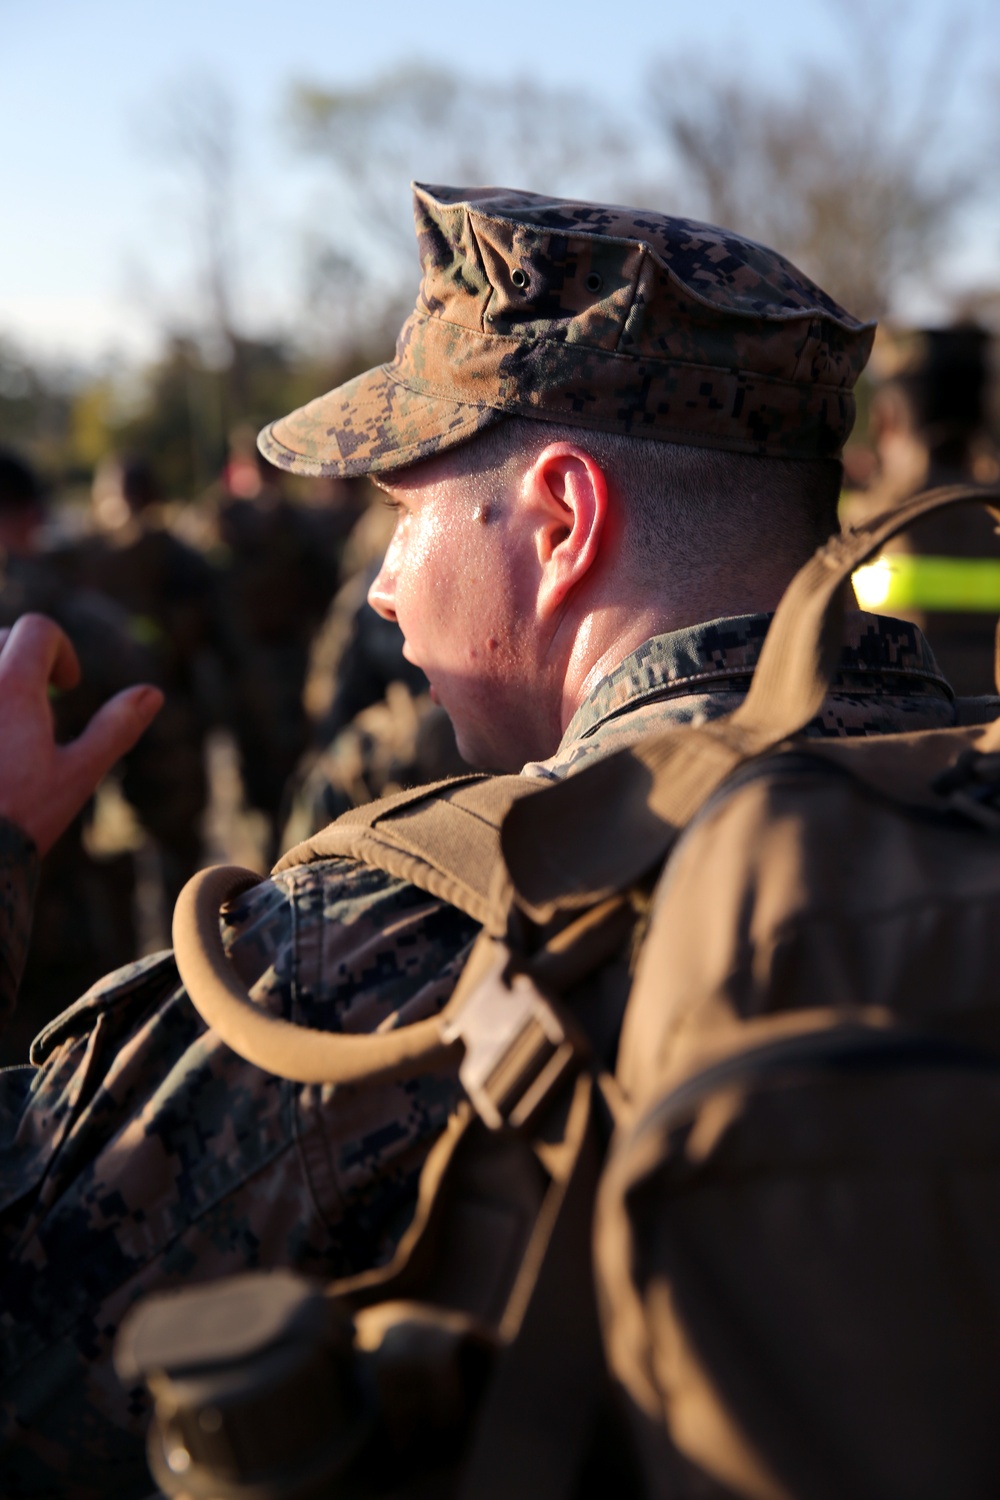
(568, 491)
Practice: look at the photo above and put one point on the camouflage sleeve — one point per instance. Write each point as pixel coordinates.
(144, 1154)
(363, 951)
(19, 866)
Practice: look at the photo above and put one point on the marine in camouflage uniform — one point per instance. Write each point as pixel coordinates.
(280, 570)
(141, 1152)
(147, 1155)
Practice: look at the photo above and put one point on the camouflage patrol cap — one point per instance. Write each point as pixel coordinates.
(607, 318)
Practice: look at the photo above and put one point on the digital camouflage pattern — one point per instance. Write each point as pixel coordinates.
(608, 318)
(888, 681)
(141, 1153)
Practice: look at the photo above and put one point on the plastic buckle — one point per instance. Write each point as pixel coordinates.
(517, 1049)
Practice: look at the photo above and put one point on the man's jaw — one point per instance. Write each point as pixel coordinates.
(409, 656)
(479, 749)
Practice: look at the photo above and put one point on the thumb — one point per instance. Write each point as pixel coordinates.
(112, 731)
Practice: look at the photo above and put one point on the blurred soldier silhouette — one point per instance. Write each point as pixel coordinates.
(281, 570)
(84, 918)
(930, 425)
(167, 590)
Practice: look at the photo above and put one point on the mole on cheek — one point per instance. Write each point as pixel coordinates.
(492, 644)
(483, 512)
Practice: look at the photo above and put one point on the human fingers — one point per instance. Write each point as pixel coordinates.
(43, 785)
(80, 765)
(112, 732)
(35, 652)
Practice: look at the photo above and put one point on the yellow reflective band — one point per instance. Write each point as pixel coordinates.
(901, 581)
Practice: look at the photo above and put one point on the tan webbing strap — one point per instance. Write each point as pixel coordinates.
(444, 838)
(600, 830)
(326, 845)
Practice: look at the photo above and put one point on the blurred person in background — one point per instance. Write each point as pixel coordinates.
(84, 916)
(167, 590)
(280, 570)
(930, 425)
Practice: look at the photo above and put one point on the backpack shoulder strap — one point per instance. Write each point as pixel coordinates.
(444, 838)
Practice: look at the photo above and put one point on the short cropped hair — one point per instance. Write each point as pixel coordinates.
(691, 505)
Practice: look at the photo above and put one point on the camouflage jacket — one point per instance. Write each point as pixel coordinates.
(139, 1152)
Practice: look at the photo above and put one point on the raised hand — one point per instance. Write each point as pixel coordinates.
(44, 785)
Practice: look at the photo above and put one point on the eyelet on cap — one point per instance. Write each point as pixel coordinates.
(518, 278)
(594, 282)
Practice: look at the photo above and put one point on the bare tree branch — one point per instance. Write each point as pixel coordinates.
(193, 129)
(835, 175)
(429, 124)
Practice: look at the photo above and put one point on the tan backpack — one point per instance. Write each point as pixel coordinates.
(797, 1218)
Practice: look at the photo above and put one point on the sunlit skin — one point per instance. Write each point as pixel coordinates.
(514, 595)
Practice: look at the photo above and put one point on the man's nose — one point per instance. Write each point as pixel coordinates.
(382, 594)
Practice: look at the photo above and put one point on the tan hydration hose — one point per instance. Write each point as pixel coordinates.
(269, 1042)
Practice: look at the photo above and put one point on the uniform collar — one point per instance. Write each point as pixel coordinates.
(879, 653)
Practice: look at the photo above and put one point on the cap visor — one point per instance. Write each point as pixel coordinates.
(370, 424)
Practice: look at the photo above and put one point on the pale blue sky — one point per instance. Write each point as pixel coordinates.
(92, 255)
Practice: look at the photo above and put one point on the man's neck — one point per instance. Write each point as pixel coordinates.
(606, 636)
(598, 650)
